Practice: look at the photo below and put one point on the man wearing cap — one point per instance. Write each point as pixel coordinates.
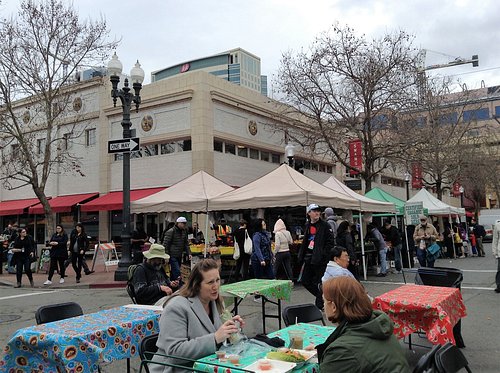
(151, 283)
(176, 243)
(314, 252)
(424, 236)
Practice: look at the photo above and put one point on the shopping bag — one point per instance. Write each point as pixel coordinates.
(248, 246)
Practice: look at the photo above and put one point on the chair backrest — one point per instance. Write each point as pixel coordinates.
(426, 362)
(131, 292)
(440, 276)
(302, 313)
(449, 359)
(148, 348)
(59, 311)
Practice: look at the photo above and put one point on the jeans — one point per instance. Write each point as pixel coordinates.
(423, 260)
(479, 246)
(383, 259)
(22, 261)
(260, 271)
(175, 268)
(311, 278)
(77, 263)
(397, 257)
(53, 267)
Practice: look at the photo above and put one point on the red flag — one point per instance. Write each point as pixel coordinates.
(416, 176)
(355, 156)
(456, 189)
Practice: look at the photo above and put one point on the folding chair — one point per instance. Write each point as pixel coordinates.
(148, 348)
(426, 362)
(56, 312)
(449, 359)
(131, 292)
(302, 313)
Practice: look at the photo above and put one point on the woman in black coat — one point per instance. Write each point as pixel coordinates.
(78, 244)
(344, 239)
(24, 250)
(58, 253)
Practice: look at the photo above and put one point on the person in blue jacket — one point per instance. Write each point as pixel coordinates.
(262, 255)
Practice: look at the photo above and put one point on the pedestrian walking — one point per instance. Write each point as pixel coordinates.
(262, 255)
(243, 261)
(58, 254)
(283, 259)
(78, 244)
(24, 250)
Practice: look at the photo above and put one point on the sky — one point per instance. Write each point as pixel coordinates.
(162, 33)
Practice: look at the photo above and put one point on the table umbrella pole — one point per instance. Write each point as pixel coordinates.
(362, 244)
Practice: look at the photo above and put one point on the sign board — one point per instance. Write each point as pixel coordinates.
(123, 145)
(354, 184)
(412, 212)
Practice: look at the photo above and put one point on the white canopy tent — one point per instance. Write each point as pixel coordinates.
(280, 188)
(192, 194)
(434, 205)
(365, 203)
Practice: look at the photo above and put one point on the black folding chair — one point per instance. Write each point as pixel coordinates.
(302, 313)
(148, 348)
(56, 312)
(131, 293)
(426, 362)
(449, 359)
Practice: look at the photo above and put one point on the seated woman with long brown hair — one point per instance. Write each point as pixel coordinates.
(363, 341)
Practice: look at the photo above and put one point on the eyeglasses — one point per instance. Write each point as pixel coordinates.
(423, 219)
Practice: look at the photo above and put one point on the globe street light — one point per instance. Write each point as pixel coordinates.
(407, 181)
(461, 190)
(127, 99)
(289, 153)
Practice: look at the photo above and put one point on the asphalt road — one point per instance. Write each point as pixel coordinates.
(480, 329)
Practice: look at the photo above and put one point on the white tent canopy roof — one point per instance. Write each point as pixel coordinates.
(434, 205)
(280, 188)
(191, 194)
(365, 203)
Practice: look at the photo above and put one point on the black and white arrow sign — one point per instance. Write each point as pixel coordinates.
(123, 145)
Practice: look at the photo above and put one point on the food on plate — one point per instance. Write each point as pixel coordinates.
(290, 356)
(264, 365)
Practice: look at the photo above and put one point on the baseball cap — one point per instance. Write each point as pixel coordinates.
(181, 219)
(312, 206)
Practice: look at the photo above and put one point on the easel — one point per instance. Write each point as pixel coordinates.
(107, 251)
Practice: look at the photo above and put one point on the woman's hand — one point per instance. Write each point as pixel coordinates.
(263, 263)
(82, 252)
(226, 329)
(239, 319)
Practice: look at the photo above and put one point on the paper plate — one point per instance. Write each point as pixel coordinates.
(277, 366)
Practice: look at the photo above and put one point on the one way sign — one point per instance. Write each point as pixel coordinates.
(123, 145)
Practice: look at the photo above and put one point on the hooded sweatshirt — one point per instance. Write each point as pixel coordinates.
(368, 347)
(330, 219)
(282, 237)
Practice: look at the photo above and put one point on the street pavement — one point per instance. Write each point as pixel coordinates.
(480, 329)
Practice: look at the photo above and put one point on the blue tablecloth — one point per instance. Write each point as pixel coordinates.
(79, 343)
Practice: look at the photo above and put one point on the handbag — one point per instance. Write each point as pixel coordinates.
(458, 239)
(236, 254)
(248, 246)
(433, 251)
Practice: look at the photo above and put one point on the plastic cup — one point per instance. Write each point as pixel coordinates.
(221, 355)
(296, 339)
(234, 359)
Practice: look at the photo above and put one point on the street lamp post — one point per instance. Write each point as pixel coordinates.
(407, 181)
(461, 190)
(127, 99)
(489, 200)
(289, 153)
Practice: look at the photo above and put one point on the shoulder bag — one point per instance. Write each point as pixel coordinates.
(248, 246)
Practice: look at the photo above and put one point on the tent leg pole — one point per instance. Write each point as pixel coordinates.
(362, 245)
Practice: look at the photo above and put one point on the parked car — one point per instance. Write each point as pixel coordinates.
(488, 218)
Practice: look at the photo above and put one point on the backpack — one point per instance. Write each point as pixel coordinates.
(131, 271)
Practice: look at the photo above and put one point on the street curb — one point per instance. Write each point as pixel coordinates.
(114, 285)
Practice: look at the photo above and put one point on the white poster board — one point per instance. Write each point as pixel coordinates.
(413, 210)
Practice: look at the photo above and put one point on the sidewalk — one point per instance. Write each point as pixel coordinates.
(99, 279)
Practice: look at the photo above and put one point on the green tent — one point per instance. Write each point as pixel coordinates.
(380, 195)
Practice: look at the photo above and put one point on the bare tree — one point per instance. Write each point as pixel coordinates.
(348, 88)
(443, 134)
(41, 49)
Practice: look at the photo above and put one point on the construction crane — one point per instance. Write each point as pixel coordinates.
(421, 80)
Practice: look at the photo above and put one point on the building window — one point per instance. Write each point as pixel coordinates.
(275, 158)
(264, 156)
(149, 150)
(254, 153)
(185, 145)
(168, 148)
(15, 152)
(40, 146)
(242, 151)
(218, 146)
(322, 168)
(90, 137)
(479, 114)
(314, 166)
(230, 149)
(329, 169)
(66, 141)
